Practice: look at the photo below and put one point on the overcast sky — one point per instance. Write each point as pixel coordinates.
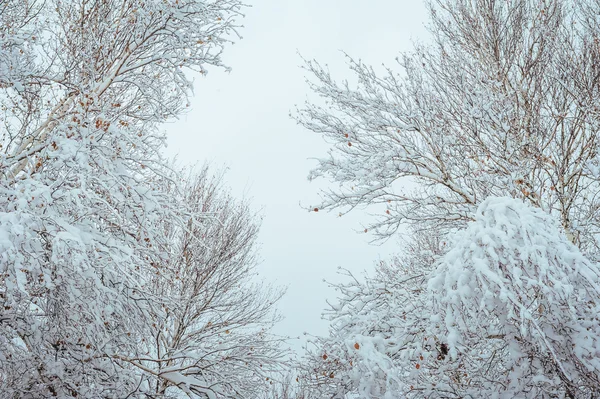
(241, 120)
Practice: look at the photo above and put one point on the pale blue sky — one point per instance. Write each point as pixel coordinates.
(241, 119)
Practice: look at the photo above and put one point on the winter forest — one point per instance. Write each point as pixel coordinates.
(471, 156)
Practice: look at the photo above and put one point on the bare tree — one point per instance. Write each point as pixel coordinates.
(214, 328)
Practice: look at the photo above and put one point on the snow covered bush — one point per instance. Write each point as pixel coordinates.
(509, 310)
(517, 305)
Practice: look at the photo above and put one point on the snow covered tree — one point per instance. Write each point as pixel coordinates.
(517, 305)
(485, 139)
(84, 86)
(373, 322)
(503, 102)
(510, 309)
(214, 334)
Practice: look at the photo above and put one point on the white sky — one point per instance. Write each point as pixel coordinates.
(241, 119)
